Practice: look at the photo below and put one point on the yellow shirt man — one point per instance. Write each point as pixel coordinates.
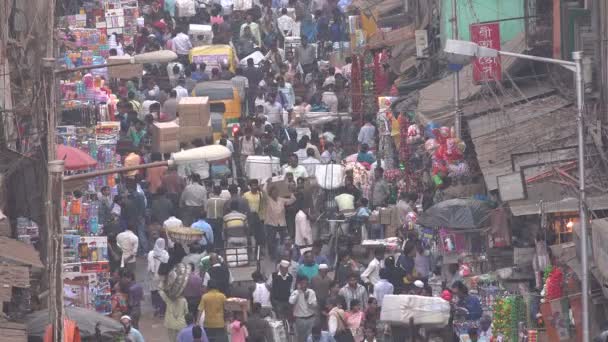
(255, 202)
(212, 304)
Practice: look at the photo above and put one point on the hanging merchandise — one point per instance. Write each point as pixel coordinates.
(86, 289)
(404, 124)
(553, 285)
(386, 148)
(357, 89)
(508, 312)
(452, 242)
(380, 74)
(130, 24)
(369, 103)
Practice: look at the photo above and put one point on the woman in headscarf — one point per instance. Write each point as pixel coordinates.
(156, 257)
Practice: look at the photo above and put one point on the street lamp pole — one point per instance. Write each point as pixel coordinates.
(576, 66)
(456, 80)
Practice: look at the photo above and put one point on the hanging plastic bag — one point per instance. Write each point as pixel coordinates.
(329, 176)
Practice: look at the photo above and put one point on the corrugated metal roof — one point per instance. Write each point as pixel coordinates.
(539, 125)
(436, 101)
(18, 252)
(534, 137)
(13, 332)
(556, 205)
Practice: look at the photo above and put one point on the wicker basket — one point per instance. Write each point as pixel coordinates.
(184, 235)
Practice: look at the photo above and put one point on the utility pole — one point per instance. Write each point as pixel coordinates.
(577, 56)
(458, 111)
(55, 248)
(54, 187)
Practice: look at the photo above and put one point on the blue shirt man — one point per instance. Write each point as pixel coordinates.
(187, 334)
(204, 227)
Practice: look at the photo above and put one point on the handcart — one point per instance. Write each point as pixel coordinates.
(416, 318)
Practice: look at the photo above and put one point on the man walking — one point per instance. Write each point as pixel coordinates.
(304, 303)
(280, 283)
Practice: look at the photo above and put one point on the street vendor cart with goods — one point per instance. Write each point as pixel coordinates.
(241, 258)
(416, 318)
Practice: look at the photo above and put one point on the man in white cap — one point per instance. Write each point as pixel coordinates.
(129, 331)
(418, 288)
(321, 284)
(280, 284)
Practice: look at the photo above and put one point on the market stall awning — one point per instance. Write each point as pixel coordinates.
(532, 207)
(74, 159)
(507, 143)
(19, 253)
(458, 213)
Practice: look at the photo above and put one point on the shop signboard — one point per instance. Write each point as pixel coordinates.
(486, 69)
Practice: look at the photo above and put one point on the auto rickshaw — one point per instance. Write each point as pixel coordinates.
(214, 56)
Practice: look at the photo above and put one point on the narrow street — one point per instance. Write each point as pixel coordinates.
(152, 327)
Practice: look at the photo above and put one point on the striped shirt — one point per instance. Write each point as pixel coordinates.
(234, 219)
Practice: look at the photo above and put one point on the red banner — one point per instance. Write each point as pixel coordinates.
(486, 69)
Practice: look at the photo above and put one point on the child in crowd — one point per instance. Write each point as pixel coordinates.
(363, 211)
(261, 293)
(238, 330)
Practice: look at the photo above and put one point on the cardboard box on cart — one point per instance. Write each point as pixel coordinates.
(165, 137)
(194, 111)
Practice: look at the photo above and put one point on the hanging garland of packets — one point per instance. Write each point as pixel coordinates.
(357, 89)
(508, 312)
(553, 284)
(369, 85)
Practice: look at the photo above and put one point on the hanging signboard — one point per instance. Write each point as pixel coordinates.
(486, 69)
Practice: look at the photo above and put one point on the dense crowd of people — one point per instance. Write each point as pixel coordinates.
(321, 299)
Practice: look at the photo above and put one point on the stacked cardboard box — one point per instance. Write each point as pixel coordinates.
(165, 137)
(124, 71)
(194, 117)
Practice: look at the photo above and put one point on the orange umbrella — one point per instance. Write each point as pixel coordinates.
(74, 159)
